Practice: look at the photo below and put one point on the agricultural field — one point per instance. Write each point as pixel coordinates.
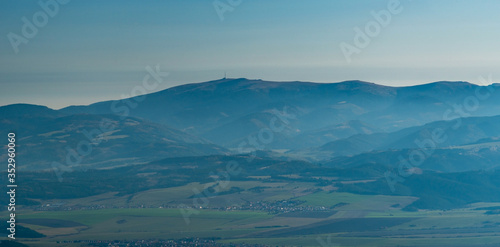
(350, 220)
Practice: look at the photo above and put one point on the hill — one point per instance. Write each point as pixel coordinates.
(212, 109)
(45, 136)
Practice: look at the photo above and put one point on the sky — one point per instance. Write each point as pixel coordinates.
(86, 51)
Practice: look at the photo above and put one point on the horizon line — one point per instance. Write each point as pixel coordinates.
(243, 78)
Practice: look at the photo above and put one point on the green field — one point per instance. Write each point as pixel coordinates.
(379, 226)
(347, 219)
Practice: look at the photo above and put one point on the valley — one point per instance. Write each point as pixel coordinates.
(298, 164)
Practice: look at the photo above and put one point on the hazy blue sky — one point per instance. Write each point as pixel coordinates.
(95, 50)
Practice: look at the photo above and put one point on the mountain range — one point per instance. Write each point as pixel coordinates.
(317, 121)
(225, 111)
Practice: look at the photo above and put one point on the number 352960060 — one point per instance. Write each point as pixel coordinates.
(12, 155)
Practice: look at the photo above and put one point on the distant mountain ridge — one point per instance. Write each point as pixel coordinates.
(329, 119)
(467, 131)
(209, 109)
(45, 136)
